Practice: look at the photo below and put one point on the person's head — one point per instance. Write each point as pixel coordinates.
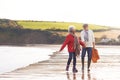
(71, 29)
(85, 26)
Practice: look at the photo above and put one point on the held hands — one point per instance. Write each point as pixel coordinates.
(84, 45)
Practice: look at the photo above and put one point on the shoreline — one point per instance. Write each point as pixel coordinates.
(56, 47)
(54, 69)
(55, 65)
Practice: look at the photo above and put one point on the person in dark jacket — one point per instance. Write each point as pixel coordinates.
(71, 42)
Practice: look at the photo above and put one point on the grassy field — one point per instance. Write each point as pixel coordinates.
(43, 25)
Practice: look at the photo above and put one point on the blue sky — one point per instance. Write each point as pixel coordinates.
(101, 12)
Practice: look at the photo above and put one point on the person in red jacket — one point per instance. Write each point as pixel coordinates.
(71, 43)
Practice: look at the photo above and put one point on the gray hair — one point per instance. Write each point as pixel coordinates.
(71, 27)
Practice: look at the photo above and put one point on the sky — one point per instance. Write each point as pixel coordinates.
(100, 12)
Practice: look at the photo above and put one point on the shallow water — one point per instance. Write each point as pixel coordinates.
(12, 58)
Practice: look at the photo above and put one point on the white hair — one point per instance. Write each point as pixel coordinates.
(71, 27)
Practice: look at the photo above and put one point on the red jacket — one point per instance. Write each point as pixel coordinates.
(69, 41)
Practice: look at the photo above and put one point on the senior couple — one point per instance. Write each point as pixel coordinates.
(87, 42)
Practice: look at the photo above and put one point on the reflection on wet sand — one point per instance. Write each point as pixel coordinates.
(53, 69)
(88, 77)
(68, 76)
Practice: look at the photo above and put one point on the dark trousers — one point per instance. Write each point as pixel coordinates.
(72, 56)
(89, 52)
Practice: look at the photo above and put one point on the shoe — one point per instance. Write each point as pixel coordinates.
(67, 68)
(75, 70)
(88, 70)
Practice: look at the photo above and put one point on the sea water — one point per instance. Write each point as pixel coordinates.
(12, 57)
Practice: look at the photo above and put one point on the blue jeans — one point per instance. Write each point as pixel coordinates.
(72, 56)
(89, 52)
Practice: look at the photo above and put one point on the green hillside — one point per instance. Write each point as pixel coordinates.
(43, 25)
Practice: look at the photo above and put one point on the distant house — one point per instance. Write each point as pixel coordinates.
(106, 40)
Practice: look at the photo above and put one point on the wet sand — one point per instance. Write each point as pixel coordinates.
(107, 68)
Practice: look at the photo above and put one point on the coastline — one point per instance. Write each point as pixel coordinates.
(54, 69)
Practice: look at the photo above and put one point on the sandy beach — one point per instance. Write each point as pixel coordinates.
(107, 68)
